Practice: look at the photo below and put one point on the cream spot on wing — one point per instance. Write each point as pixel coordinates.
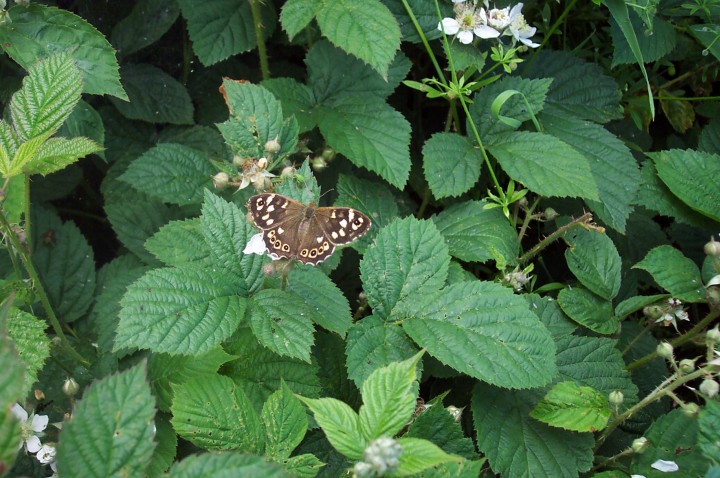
(319, 239)
(334, 235)
(351, 215)
(342, 232)
(270, 221)
(280, 230)
(265, 217)
(343, 223)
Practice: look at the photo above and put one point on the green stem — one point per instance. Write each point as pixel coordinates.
(262, 53)
(40, 290)
(561, 231)
(424, 40)
(424, 203)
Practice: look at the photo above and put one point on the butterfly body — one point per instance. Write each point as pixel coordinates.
(304, 232)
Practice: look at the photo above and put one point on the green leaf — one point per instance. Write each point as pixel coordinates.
(451, 164)
(476, 234)
(374, 198)
(705, 34)
(674, 272)
(57, 153)
(518, 351)
(256, 117)
(180, 243)
(223, 28)
(303, 466)
(637, 303)
(709, 141)
(166, 449)
(297, 14)
(389, 399)
(48, 95)
(25, 153)
(33, 346)
(296, 98)
(545, 165)
(371, 134)
(185, 311)
(573, 407)
(517, 444)
(671, 437)
(373, 343)
(613, 167)
(172, 173)
(282, 322)
(419, 455)
(579, 87)
(708, 430)
(340, 423)
(38, 31)
(594, 260)
(285, 423)
(66, 266)
(13, 383)
(425, 13)
(408, 256)
(225, 465)
(332, 310)
(356, 27)
(690, 176)
(437, 424)
(653, 45)
(589, 310)
(148, 21)
(111, 430)
(226, 232)
(10, 434)
(154, 96)
(551, 315)
(214, 413)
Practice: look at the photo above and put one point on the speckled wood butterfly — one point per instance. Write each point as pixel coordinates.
(291, 229)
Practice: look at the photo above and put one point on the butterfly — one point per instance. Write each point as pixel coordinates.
(309, 234)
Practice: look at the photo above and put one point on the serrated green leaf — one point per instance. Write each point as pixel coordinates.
(690, 176)
(205, 139)
(373, 343)
(297, 14)
(57, 153)
(674, 272)
(517, 350)
(595, 262)
(285, 423)
(9, 144)
(214, 413)
(25, 154)
(671, 437)
(185, 311)
(335, 463)
(561, 172)
(573, 407)
(371, 134)
(340, 423)
(474, 233)
(705, 34)
(13, 377)
(225, 465)
(296, 99)
(172, 173)
(224, 28)
(614, 168)
(10, 436)
(256, 117)
(551, 315)
(594, 362)
(111, 429)
(66, 266)
(709, 141)
(425, 13)
(419, 455)
(661, 41)
(356, 27)
(374, 198)
(408, 256)
(38, 31)
(709, 429)
(389, 398)
(634, 304)
(48, 95)
(451, 164)
(84, 121)
(166, 449)
(589, 310)
(303, 466)
(438, 425)
(32, 345)
(148, 21)
(154, 96)
(332, 310)
(180, 243)
(226, 232)
(517, 444)
(282, 322)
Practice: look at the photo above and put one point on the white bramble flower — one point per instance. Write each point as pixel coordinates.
(31, 428)
(46, 454)
(380, 457)
(471, 21)
(673, 312)
(665, 466)
(254, 173)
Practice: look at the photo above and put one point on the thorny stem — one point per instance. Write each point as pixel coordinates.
(561, 231)
(529, 216)
(262, 52)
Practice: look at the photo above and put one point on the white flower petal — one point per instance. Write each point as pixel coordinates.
(465, 37)
(33, 444)
(529, 42)
(449, 25)
(19, 412)
(515, 11)
(39, 422)
(484, 31)
(46, 454)
(637, 476)
(255, 245)
(665, 466)
(458, 1)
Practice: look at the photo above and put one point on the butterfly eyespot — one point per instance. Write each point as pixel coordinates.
(277, 244)
(304, 253)
(286, 248)
(313, 253)
(357, 222)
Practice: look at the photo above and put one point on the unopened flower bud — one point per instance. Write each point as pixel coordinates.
(712, 248)
(653, 312)
(550, 214)
(713, 335)
(262, 163)
(287, 172)
(523, 202)
(687, 365)
(318, 163)
(70, 387)
(272, 146)
(263, 184)
(455, 412)
(221, 180)
(616, 398)
(39, 395)
(639, 445)
(712, 292)
(665, 350)
(269, 269)
(238, 162)
(709, 388)
(691, 410)
(328, 154)
(23, 3)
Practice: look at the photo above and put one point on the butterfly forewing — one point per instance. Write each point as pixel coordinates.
(292, 229)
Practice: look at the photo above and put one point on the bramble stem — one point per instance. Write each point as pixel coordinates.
(262, 52)
(561, 231)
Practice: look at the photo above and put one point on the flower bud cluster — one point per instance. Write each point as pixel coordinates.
(380, 457)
